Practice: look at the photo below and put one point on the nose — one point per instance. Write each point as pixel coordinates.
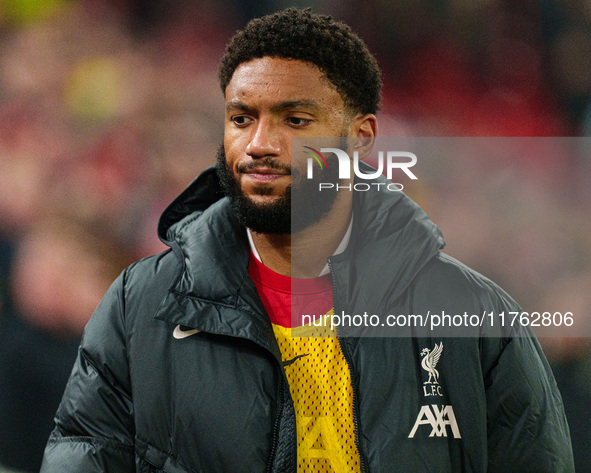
(264, 140)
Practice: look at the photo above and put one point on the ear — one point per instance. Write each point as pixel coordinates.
(365, 129)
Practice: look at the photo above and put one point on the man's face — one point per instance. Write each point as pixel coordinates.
(268, 102)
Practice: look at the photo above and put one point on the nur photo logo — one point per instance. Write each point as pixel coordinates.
(388, 160)
(318, 156)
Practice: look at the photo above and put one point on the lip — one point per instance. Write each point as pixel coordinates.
(264, 175)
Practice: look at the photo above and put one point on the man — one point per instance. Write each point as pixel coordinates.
(188, 363)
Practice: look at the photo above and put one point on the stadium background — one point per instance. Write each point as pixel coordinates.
(108, 109)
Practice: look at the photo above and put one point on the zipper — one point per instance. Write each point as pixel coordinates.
(362, 465)
(276, 426)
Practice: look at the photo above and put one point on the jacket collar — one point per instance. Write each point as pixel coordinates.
(213, 291)
(392, 240)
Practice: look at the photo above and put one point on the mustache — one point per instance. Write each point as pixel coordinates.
(268, 162)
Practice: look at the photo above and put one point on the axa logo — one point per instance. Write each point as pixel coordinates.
(439, 419)
(388, 159)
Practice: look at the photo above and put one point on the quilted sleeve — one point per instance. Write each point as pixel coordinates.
(527, 427)
(94, 427)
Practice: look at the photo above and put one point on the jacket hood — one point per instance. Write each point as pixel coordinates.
(204, 191)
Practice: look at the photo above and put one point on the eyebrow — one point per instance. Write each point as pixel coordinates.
(282, 106)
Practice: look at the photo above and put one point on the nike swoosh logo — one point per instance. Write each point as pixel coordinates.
(179, 333)
(293, 360)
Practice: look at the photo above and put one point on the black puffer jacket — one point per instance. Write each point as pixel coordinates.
(140, 399)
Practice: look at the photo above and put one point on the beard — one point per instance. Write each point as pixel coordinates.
(301, 205)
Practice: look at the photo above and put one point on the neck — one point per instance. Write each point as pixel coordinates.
(304, 254)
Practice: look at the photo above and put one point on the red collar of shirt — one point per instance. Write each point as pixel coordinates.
(284, 297)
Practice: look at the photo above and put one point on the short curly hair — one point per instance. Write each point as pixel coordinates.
(318, 39)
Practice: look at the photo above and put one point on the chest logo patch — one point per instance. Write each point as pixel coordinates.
(429, 362)
(438, 417)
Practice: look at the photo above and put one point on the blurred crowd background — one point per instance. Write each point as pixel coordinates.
(109, 108)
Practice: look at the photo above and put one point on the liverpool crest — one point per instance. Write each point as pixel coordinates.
(429, 362)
